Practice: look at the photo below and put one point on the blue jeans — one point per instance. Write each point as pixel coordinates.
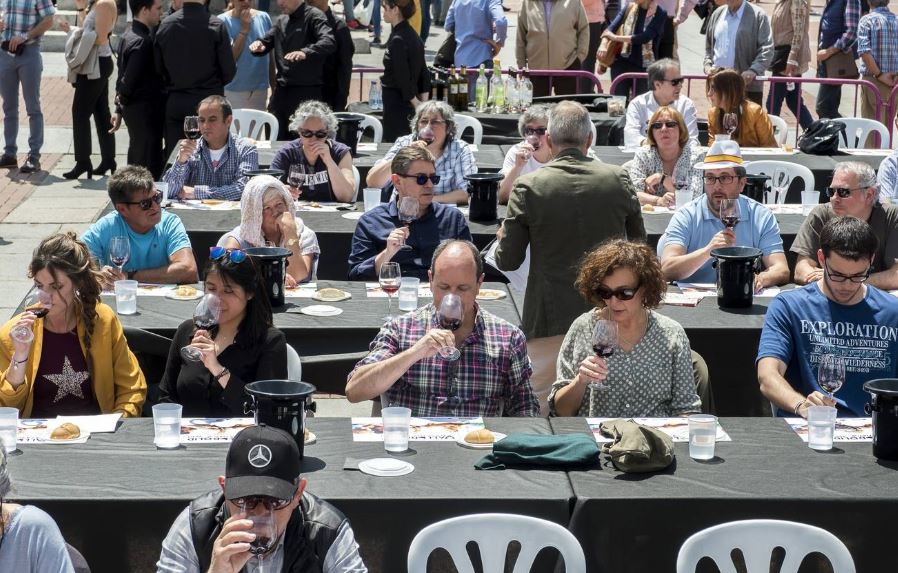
(349, 10)
(26, 70)
(778, 93)
(425, 19)
(375, 20)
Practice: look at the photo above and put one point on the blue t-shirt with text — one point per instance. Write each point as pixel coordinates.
(148, 251)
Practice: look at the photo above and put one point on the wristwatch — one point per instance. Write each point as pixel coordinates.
(292, 243)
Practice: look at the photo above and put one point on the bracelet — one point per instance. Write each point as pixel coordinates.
(221, 375)
(798, 406)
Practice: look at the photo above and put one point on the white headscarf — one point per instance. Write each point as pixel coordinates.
(251, 208)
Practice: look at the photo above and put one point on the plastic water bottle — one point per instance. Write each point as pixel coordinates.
(375, 99)
(525, 86)
(496, 102)
(512, 94)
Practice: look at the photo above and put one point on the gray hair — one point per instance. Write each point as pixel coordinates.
(569, 125)
(863, 173)
(435, 106)
(538, 112)
(312, 108)
(445, 244)
(658, 70)
(5, 485)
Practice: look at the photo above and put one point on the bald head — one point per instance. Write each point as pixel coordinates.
(456, 256)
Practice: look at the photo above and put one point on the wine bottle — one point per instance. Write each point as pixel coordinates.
(481, 90)
(526, 88)
(453, 89)
(496, 101)
(463, 90)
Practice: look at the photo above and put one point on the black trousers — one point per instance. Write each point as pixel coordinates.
(589, 64)
(92, 99)
(668, 39)
(284, 102)
(145, 121)
(621, 66)
(397, 114)
(561, 86)
(178, 106)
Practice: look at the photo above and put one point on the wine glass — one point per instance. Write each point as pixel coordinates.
(265, 529)
(408, 212)
(37, 303)
(119, 251)
(451, 315)
(426, 134)
(390, 278)
(729, 213)
(730, 123)
(192, 127)
(780, 184)
(604, 342)
(831, 374)
(205, 317)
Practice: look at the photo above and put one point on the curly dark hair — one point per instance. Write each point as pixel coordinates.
(611, 255)
(65, 253)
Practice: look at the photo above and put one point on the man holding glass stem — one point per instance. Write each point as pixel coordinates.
(492, 376)
(838, 315)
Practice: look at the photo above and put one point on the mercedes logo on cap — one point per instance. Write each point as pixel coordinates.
(259, 456)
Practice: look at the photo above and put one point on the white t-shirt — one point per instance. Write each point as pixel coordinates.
(215, 155)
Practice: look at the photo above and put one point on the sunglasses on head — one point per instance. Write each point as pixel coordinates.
(842, 192)
(320, 134)
(606, 293)
(235, 256)
(146, 204)
(251, 502)
(667, 124)
(421, 178)
(534, 131)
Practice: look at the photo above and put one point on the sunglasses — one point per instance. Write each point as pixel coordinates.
(606, 293)
(146, 204)
(842, 192)
(251, 502)
(321, 134)
(423, 122)
(724, 179)
(535, 131)
(675, 82)
(667, 124)
(235, 256)
(421, 178)
(840, 278)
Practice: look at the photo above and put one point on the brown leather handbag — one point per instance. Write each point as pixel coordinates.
(841, 65)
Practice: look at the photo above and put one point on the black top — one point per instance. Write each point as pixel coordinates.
(138, 80)
(338, 66)
(404, 65)
(306, 29)
(192, 386)
(193, 52)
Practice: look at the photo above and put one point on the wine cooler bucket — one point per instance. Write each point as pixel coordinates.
(736, 268)
(483, 191)
(281, 404)
(272, 264)
(883, 407)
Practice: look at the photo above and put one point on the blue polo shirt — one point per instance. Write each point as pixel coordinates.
(252, 72)
(148, 251)
(693, 226)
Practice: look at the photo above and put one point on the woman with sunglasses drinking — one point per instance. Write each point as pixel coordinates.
(531, 153)
(242, 348)
(68, 354)
(316, 166)
(267, 218)
(406, 79)
(648, 370)
(667, 162)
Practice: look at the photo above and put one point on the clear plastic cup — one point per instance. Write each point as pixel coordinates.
(396, 424)
(408, 293)
(371, 196)
(167, 425)
(9, 420)
(821, 426)
(809, 200)
(126, 297)
(702, 436)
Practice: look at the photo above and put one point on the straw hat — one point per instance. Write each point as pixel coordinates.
(724, 153)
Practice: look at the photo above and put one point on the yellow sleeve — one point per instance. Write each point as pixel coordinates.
(129, 383)
(12, 397)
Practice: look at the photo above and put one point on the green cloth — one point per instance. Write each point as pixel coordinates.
(541, 450)
(637, 448)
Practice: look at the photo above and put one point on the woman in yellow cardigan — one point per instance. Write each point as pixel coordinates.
(726, 92)
(78, 361)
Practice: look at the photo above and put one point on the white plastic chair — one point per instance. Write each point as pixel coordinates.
(251, 123)
(493, 532)
(463, 122)
(769, 167)
(757, 538)
(294, 364)
(780, 129)
(375, 125)
(858, 128)
(593, 126)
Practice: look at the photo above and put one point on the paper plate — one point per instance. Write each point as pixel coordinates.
(321, 310)
(175, 296)
(490, 294)
(344, 296)
(386, 467)
(460, 440)
(353, 216)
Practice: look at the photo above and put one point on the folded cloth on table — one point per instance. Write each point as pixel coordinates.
(541, 450)
(637, 448)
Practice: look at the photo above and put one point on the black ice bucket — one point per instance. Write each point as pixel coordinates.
(281, 404)
(349, 127)
(884, 410)
(272, 263)
(483, 196)
(736, 269)
(754, 187)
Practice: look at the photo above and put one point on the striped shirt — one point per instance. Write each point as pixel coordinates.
(492, 377)
(877, 35)
(23, 15)
(456, 161)
(225, 180)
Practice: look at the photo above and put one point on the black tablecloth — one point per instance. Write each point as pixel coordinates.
(637, 523)
(116, 496)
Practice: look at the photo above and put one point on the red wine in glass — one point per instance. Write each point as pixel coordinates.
(39, 312)
(192, 127)
(390, 288)
(408, 213)
(729, 212)
(730, 221)
(260, 545)
(205, 317)
(604, 341)
(603, 350)
(452, 324)
(451, 315)
(390, 279)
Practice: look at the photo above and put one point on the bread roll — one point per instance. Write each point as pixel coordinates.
(185, 290)
(65, 431)
(482, 436)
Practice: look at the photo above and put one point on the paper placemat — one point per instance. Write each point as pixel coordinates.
(324, 207)
(366, 146)
(212, 430)
(206, 205)
(847, 429)
(676, 428)
(37, 431)
(441, 429)
(305, 290)
(149, 290)
(787, 208)
(373, 290)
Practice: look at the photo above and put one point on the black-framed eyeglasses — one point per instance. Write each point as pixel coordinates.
(840, 278)
(308, 134)
(421, 178)
(626, 293)
(535, 131)
(723, 179)
(843, 192)
(667, 124)
(674, 82)
(251, 502)
(235, 256)
(146, 204)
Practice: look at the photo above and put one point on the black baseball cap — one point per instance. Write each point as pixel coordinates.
(262, 460)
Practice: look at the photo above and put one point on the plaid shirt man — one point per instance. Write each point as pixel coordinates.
(492, 377)
(456, 161)
(222, 180)
(877, 34)
(23, 15)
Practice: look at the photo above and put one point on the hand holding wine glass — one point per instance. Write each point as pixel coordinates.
(408, 213)
(192, 127)
(295, 179)
(119, 252)
(729, 213)
(390, 278)
(831, 374)
(205, 318)
(604, 343)
(37, 305)
(451, 315)
(730, 123)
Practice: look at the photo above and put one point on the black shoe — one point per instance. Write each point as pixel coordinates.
(31, 165)
(9, 161)
(78, 170)
(506, 8)
(103, 167)
(375, 42)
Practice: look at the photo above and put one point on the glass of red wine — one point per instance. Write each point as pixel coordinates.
(831, 374)
(37, 303)
(205, 317)
(265, 529)
(390, 278)
(604, 343)
(451, 315)
(119, 251)
(729, 213)
(192, 127)
(408, 213)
